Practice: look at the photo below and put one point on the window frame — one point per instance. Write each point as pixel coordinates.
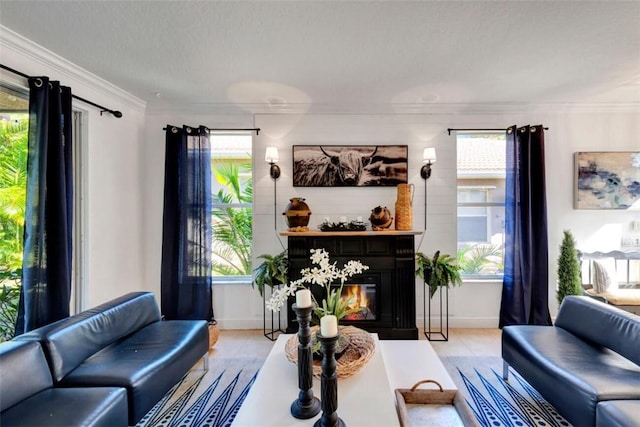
(232, 279)
(490, 205)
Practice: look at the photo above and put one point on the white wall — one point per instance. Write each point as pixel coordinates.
(112, 168)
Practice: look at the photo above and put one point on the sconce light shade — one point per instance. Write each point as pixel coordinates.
(428, 158)
(429, 155)
(271, 155)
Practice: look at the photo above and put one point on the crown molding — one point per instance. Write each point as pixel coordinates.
(392, 109)
(55, 64)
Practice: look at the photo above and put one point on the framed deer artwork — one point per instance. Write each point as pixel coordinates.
(349, 165)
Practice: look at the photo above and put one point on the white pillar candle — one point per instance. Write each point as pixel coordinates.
(303, 298)
(328, 326)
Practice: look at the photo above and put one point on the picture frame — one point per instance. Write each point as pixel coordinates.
(349, 165)
(607, 180)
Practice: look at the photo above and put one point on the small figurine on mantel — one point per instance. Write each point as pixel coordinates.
(380, 218)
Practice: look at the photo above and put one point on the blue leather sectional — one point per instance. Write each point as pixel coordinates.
(107, 366)
(587, 365)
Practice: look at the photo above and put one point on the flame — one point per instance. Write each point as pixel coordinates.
(357, 293)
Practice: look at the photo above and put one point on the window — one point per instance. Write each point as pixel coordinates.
(14, 126)
(232, 209)
(481, 187)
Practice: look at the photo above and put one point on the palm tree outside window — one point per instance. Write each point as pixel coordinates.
(232, 206)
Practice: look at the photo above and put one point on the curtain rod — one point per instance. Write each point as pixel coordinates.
(449, 130)
(256, 130)
(115, 113)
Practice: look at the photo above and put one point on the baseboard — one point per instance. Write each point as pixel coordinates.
(454, 322)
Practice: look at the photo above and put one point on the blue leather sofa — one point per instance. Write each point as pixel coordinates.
(123, 344)
(587, 365)
(28, 398)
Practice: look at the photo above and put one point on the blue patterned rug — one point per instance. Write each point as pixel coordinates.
(210, 399)
(496, 402)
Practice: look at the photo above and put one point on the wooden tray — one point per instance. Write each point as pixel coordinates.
(434, 408)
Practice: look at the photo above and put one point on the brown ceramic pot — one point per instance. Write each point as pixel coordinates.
(297, 213)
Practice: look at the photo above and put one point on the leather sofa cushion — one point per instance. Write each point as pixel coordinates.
(95, 407)
(601, 324)
(68, 342)
(23, 372)
(572, 374)
(618, 413)
(147, 363)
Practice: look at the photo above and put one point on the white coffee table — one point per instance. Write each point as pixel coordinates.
(365, 399)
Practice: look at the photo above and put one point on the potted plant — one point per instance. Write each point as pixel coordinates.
(438, 271)
(569, 281)
(271, 272)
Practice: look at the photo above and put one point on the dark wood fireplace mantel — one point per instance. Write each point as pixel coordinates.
(390, 256)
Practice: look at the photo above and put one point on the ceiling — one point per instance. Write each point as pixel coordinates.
(346, 55)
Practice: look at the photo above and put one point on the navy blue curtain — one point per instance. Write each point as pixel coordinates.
(186, 234)
(46, 267)
(525, 287)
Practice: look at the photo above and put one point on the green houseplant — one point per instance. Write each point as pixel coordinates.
(271, 272)
(569, 281)
(438, 271)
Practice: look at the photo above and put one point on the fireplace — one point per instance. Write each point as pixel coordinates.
(385, 293)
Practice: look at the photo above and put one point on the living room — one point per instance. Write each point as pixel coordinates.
(590, 101)
(124, 157)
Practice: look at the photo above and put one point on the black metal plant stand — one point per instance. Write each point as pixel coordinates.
(442, 333)
(274, 329)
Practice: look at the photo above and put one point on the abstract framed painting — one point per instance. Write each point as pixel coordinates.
(349, 165)
(607, 180)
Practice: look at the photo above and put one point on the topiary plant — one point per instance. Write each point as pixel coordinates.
(569, 281)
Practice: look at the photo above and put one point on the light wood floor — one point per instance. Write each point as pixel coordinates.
(462, 342)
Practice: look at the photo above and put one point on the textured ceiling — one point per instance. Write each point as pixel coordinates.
(346, 55)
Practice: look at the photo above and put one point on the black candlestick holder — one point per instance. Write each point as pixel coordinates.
(329, 384)
(306, 405)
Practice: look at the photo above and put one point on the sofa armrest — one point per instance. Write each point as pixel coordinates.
(23, 372)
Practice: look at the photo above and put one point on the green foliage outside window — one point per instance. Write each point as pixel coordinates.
(481, 259)
(232, 224)
(13, 184)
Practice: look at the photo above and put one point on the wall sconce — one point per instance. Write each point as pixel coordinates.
(428, 158)
(271, 157)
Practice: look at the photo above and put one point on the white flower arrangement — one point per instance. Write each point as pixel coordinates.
(324, 274)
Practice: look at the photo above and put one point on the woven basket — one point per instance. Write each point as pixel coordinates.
(214, 333)
(360, 350)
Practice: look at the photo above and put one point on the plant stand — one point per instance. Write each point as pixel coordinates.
(442, 332)
(270, 328)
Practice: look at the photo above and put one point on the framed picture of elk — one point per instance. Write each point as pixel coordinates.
(349, 165)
